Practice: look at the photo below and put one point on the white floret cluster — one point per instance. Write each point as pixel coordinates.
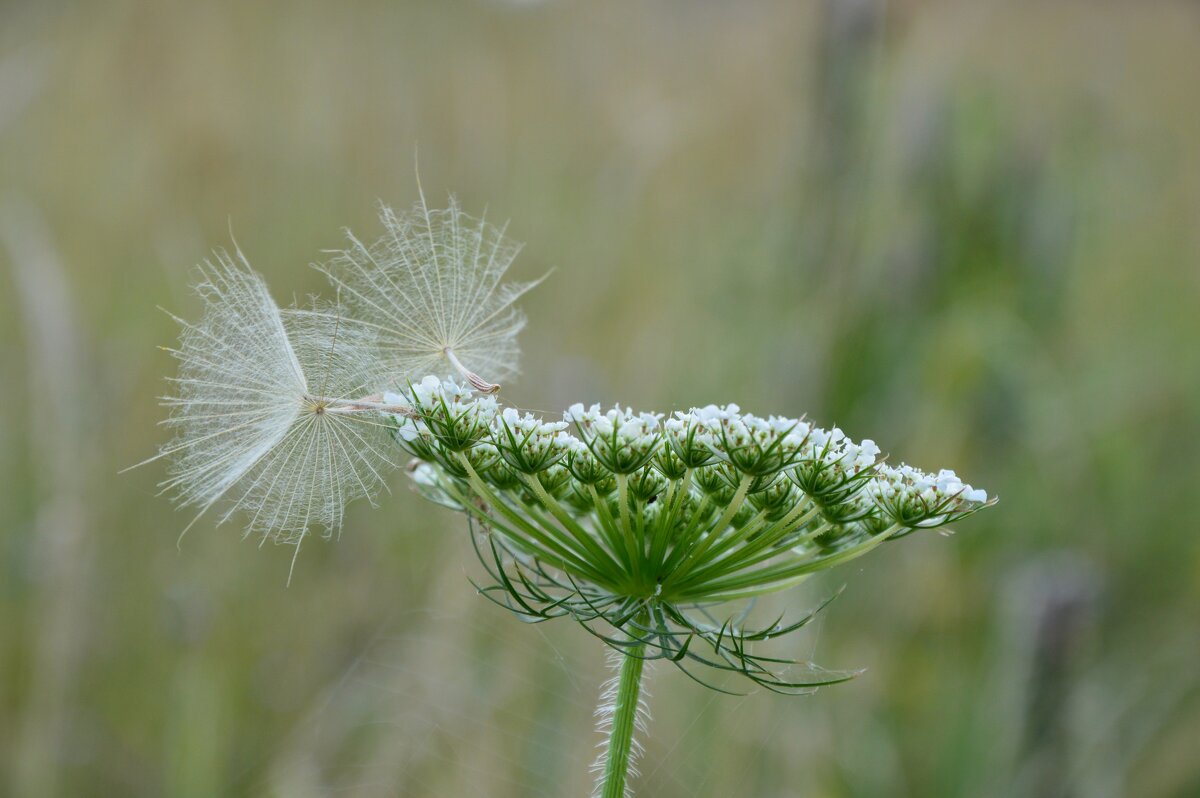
(783, 466)
(834, 469)
(528, 444)
(837, 450)
(690, 435)
(755, 445)
(456, 416)
(915, 498)
(622, 440)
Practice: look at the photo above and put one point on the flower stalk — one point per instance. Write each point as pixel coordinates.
(618, 761)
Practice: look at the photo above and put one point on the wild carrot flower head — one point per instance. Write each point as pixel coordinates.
(630, 522)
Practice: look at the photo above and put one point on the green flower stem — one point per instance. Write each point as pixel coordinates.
(676, 495)
(686, 539)
(572, 526)
(609, 527)
(620, 738)
(759, 550)
(528, 545)
(770, 579)
(658, 529)
(714, 554)
(569, 559)
(796, 518)
(716, 529)
(634, 545)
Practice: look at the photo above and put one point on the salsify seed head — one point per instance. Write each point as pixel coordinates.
(430, 292)
(287, 414)
(259, 411)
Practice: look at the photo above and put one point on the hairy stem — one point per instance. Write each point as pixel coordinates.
(624, 720)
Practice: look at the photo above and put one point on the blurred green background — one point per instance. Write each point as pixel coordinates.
(966, 230)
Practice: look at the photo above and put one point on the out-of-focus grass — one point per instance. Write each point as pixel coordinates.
(969, 233)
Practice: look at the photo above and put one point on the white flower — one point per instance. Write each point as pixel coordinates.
(833, 469)
(432, 389)
(714, 415)
(690, 435)
(453, 413)
(529, 444)
(756, 446)
(835, 449)
(915, 498)
(578, 414)
(621, 439)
